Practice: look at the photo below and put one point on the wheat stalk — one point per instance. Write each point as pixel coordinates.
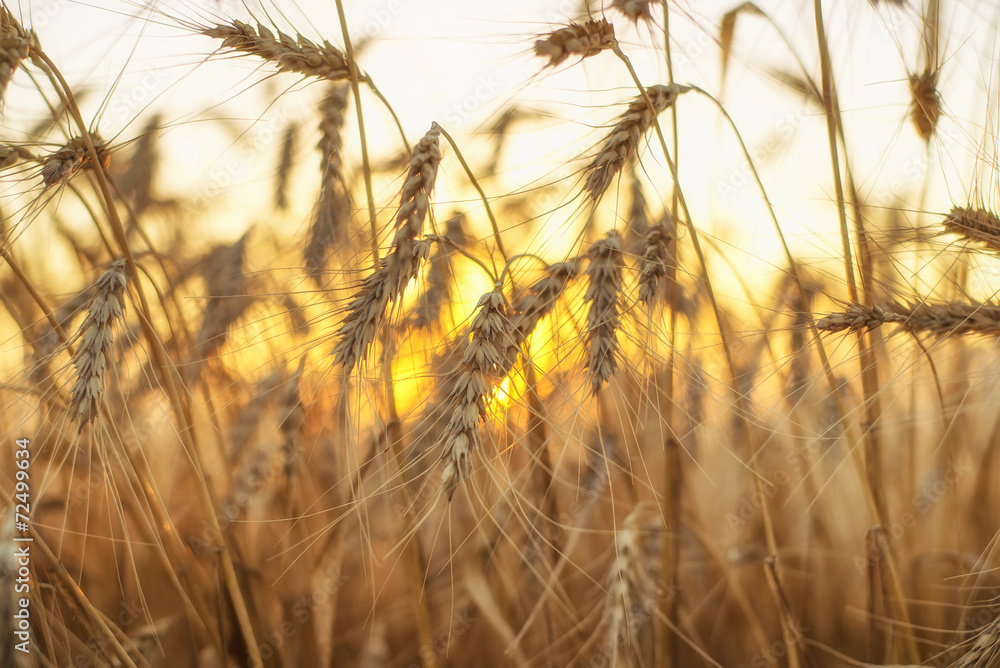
(367, 310)
(623, 141)
(482, 368)
(291, 54)
(603, 318)
(71, 158)
(588, 39)
(96, 344)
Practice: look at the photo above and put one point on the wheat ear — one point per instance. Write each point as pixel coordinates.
(985, 651)
(15, 46)
(334, 206)
(367, 309)
(604, 317)
(950, 319)
(654, 260)
(584, 40)
(440, 275)
(855, 318)
(482, 367)
(629, 603)
(925, 104)
(225, 286)
(290, 54)
(974, 224)
(635, 10)
(285, 163)
(535, 302)
(71, 158)
(96, 344)
(623, 141)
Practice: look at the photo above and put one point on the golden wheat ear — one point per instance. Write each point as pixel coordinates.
(481, 369)
(584, 40)
(96, 348)
(623, 140)
(329, 226)
(290, 54)
(635, 10)
(72, 158)
(975, 225)
(604, 317)
(15, 45)
(367, 309)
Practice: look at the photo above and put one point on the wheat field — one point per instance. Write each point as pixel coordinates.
(427, 334)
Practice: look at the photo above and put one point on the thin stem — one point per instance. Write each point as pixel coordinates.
(158, 353)
(792, 641)
(366, 169)
(871, 441)
(482, 195)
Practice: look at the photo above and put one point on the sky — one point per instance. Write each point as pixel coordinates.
(462, 64)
